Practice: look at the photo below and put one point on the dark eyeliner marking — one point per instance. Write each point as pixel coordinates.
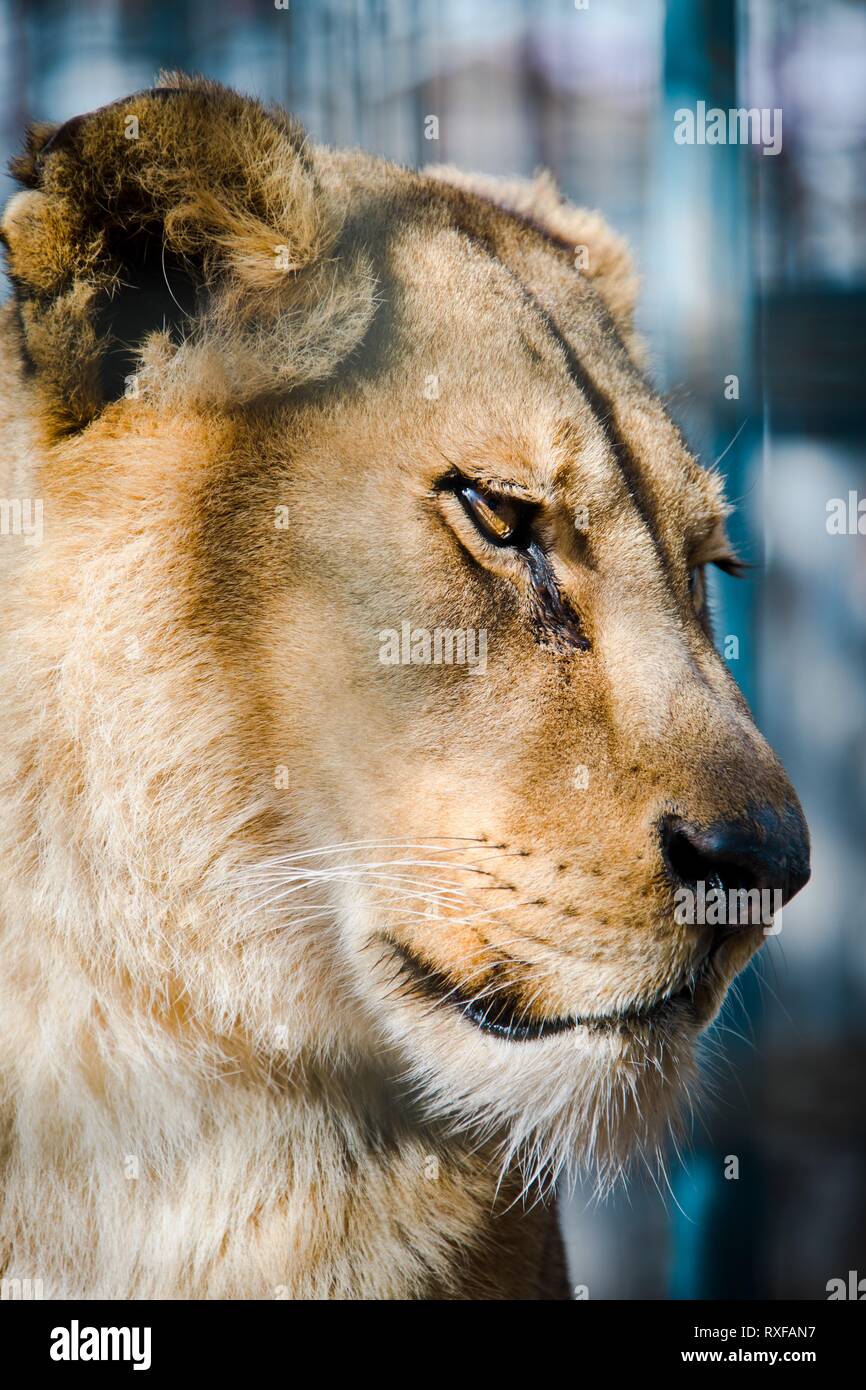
(556, 625)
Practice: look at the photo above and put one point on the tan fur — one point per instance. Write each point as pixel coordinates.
(602, 255)
(220, 813)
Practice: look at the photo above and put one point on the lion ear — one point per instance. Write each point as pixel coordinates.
(186, 212)
(599, 253)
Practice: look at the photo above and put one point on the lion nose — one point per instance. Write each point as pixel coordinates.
(764, 850)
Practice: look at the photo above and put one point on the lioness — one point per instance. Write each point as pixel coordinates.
(323, 953)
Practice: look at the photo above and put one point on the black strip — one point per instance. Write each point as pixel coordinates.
(599, 403)
(601, 406)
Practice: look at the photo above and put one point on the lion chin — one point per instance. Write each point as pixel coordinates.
(364, 732)
(570, 1097)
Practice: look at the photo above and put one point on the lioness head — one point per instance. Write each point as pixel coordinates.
(378, 714)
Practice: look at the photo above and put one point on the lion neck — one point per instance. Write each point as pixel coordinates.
(146, 1161)
(153, 1154)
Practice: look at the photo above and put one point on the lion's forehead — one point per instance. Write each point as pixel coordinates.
(537, 375)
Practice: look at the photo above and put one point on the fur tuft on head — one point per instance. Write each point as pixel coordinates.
(188, 212)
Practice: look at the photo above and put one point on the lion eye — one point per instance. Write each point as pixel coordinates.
(500, 518)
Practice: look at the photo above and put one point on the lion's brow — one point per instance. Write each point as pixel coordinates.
(603, 413)
(600, 404)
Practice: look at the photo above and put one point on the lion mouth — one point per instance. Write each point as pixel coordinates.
(505, 1016)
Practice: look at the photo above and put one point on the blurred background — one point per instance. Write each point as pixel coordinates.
(754, 271)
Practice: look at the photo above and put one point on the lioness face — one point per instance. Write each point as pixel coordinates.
(529, 813)
(477, 641)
